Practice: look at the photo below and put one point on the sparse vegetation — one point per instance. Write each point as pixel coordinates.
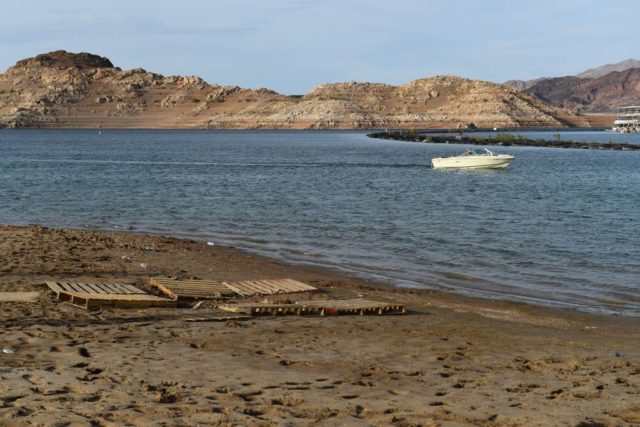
(504, 137)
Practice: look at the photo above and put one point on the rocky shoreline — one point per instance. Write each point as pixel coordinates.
(504, 140)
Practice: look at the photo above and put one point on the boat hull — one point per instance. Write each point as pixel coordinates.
(499, 161)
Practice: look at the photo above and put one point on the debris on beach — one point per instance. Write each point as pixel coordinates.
(196, 292)
(19, 296)
(96, 295)
(191, 289)
(322, 308)
(195, 289)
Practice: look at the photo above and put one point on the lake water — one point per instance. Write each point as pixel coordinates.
(559, 227)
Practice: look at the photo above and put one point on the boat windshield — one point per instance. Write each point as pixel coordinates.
(477, 152)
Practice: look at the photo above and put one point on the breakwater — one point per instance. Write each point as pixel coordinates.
(503, 139)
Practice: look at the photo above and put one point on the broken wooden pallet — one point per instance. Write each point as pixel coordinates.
(96, 295)
(268, 287)
(191, 289)
(322, 308)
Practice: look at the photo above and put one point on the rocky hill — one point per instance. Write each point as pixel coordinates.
(62, 89)
(601, 94)
(593, 73)
(596, 90)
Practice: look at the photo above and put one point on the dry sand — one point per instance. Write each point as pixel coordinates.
(450, 361)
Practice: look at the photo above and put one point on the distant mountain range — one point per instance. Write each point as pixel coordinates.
(63, 89)
(600, 89)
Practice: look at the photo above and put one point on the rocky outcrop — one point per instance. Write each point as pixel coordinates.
(62, 89)
(62, 59)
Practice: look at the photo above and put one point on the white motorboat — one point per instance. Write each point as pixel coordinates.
(473, 158)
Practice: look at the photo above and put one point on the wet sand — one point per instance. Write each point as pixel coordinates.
(450, 361)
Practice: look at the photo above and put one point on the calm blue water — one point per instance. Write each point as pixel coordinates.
(559, 227)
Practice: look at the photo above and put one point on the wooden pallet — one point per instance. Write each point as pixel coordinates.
(322, 308)
(191, 289)
(96, 295)
(268, 287)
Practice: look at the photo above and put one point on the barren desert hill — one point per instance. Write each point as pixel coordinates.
(591, 73)
(603, 70)
(598, 94)
(598, 90)
(83, 90)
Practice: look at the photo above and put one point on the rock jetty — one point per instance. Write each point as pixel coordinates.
(501, 139)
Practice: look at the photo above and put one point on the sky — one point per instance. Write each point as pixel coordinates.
(291, 46)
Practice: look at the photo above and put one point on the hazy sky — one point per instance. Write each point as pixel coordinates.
(293, 45)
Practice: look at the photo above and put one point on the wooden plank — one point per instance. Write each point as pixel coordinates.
(19, 296)
(130, 289)
(283, 285)
(75, 287)
(300, 285)
(66, 286)
(217, 318)
(92, 301)
(233, 288)
(111, 288)
(167, 291)
(275, 287)
(96, 289)
(247, 288)
(261, 288)
(268, 287)
(296, 286)
(53, 286)
(191, 289)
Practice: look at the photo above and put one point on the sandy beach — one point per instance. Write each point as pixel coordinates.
(451, 360)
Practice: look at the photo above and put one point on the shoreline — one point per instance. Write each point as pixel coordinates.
(450, 360)
(334, 129)
(384, 283)
(441, 297)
